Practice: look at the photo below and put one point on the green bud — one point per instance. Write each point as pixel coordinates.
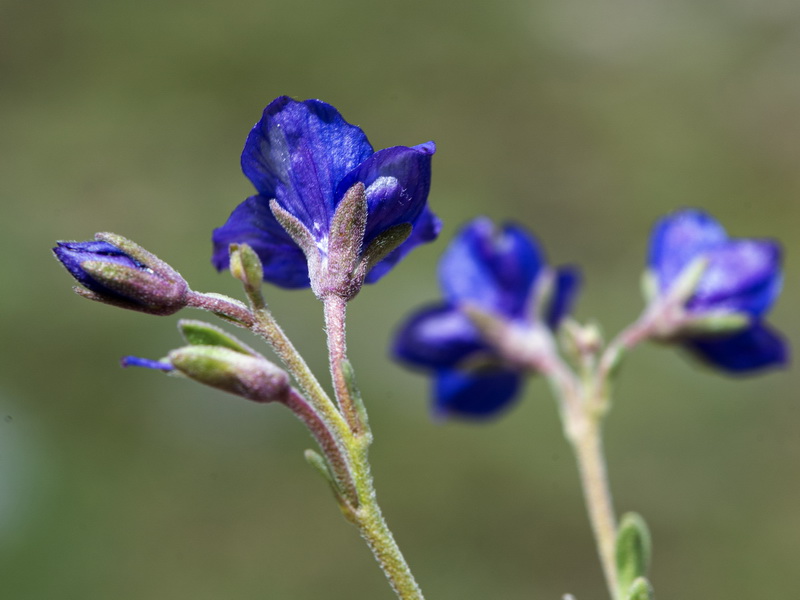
(246, 266)
(633, 550)
(251, 377)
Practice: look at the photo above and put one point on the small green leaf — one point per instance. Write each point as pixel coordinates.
(320, 465)
(633, 550)
(198, 333)
(355, 397)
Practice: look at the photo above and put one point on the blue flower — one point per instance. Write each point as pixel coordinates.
(305, 157)
(741, 278)
(116, 271)
(497, 272)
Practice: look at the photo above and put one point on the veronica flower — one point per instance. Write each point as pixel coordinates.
(497, 272)
(306, 162)
(738, 278)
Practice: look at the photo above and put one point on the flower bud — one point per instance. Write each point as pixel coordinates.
(251, 377)
(116, 271)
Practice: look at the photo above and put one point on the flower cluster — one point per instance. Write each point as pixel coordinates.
(304, 160)
(501, 273)
(736, 281)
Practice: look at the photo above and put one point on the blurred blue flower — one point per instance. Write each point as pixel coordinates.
(500, 273)
(306, 156)
(741, 277)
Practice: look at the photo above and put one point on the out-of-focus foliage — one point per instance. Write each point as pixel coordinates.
(584, 121)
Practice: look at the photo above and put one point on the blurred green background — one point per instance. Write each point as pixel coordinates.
(585, 121)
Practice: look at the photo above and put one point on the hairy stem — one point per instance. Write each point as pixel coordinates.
(335, 312)
(376, 533)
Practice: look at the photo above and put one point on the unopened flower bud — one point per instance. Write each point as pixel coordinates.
(252, 377)
(116, 271)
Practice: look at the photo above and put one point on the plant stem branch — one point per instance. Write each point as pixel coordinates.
(588, 447)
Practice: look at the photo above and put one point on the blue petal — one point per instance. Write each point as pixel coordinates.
(679, 238)
(425, 229)
(435, 337)
(565, 288)
(397, 182)
(135, 361)
(758, 347)
(298, 153)
(252, 223)
(475, 394)
(496, 271)
(73, 254)
(742, 276)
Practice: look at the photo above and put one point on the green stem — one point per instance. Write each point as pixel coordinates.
(376, 533)
(343, 439)
(587, 444)
(582, 405)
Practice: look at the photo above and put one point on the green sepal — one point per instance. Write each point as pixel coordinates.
(199, 333)
(300, 234)
(633, 550)
(382, 245)
(717, 323)
(649, 286)
(684, 287)
(640, 590)
(355, 397)
(347, 234)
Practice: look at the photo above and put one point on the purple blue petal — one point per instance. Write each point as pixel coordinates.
(494, 270)
(252, 223)
(298, 153)
(754, 349)
(565, 289)
(474, 394)
(436, 337)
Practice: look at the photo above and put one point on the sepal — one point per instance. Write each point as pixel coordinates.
(300, 235)
(716, 323)
(348, 225)
(199, 333)
(382, 246)
(685, 285)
